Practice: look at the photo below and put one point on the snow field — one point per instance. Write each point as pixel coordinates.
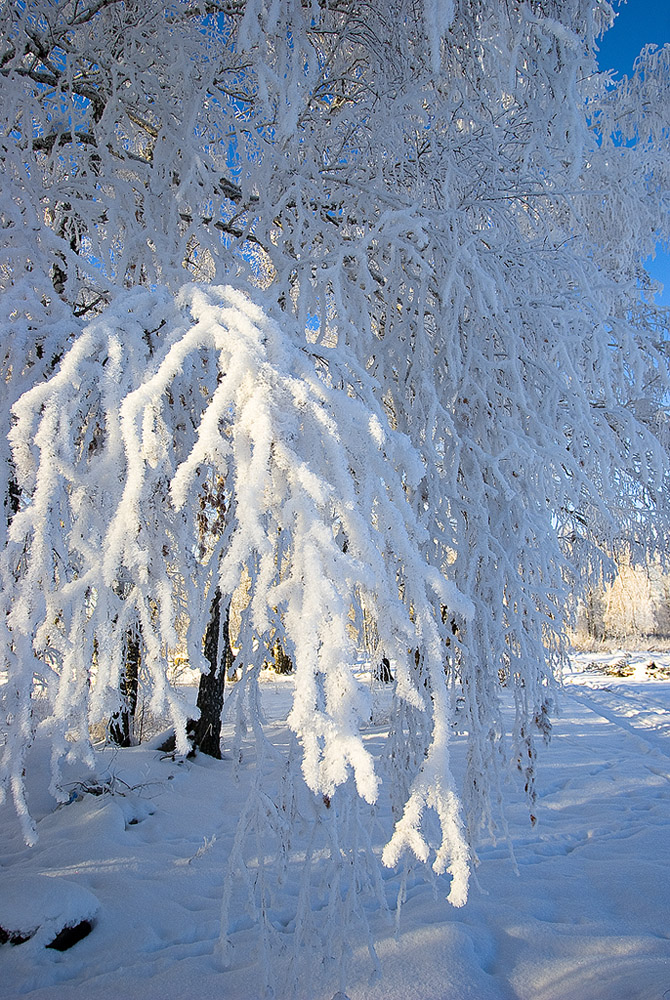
(584, 919)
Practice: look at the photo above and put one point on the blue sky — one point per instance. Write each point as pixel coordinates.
(638, 23)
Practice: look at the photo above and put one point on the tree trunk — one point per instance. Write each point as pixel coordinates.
(205, 732)
(13, 498)
(121, 723)
(283, 664)
(594, 614)
(383, 671)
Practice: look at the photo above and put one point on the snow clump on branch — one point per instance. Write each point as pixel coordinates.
(319, 518)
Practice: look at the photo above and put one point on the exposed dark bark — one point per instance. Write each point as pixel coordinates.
(121, 723)
(283, 664)
(205, 732)
(13, 499)
(383, 671)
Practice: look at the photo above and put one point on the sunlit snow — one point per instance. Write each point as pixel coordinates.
(585, 917)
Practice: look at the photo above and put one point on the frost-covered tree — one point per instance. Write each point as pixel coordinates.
(629, 611)
(369, 287)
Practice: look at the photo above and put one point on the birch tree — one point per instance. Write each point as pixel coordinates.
(376, 268)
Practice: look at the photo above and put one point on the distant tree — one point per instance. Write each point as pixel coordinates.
(629, 612)
(420, 353)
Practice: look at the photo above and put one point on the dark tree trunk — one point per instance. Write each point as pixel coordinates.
(121, 723)
(383, 671)
(13, 500)
(13, 496)
(205, 732)
(283, 664)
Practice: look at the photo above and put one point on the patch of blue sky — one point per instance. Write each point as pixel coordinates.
(639, 23)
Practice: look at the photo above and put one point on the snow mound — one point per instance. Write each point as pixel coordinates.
(52, 911)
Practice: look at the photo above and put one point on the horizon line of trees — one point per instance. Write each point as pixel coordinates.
(633, 606)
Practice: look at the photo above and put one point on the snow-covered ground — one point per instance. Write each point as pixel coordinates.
(587, 917)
